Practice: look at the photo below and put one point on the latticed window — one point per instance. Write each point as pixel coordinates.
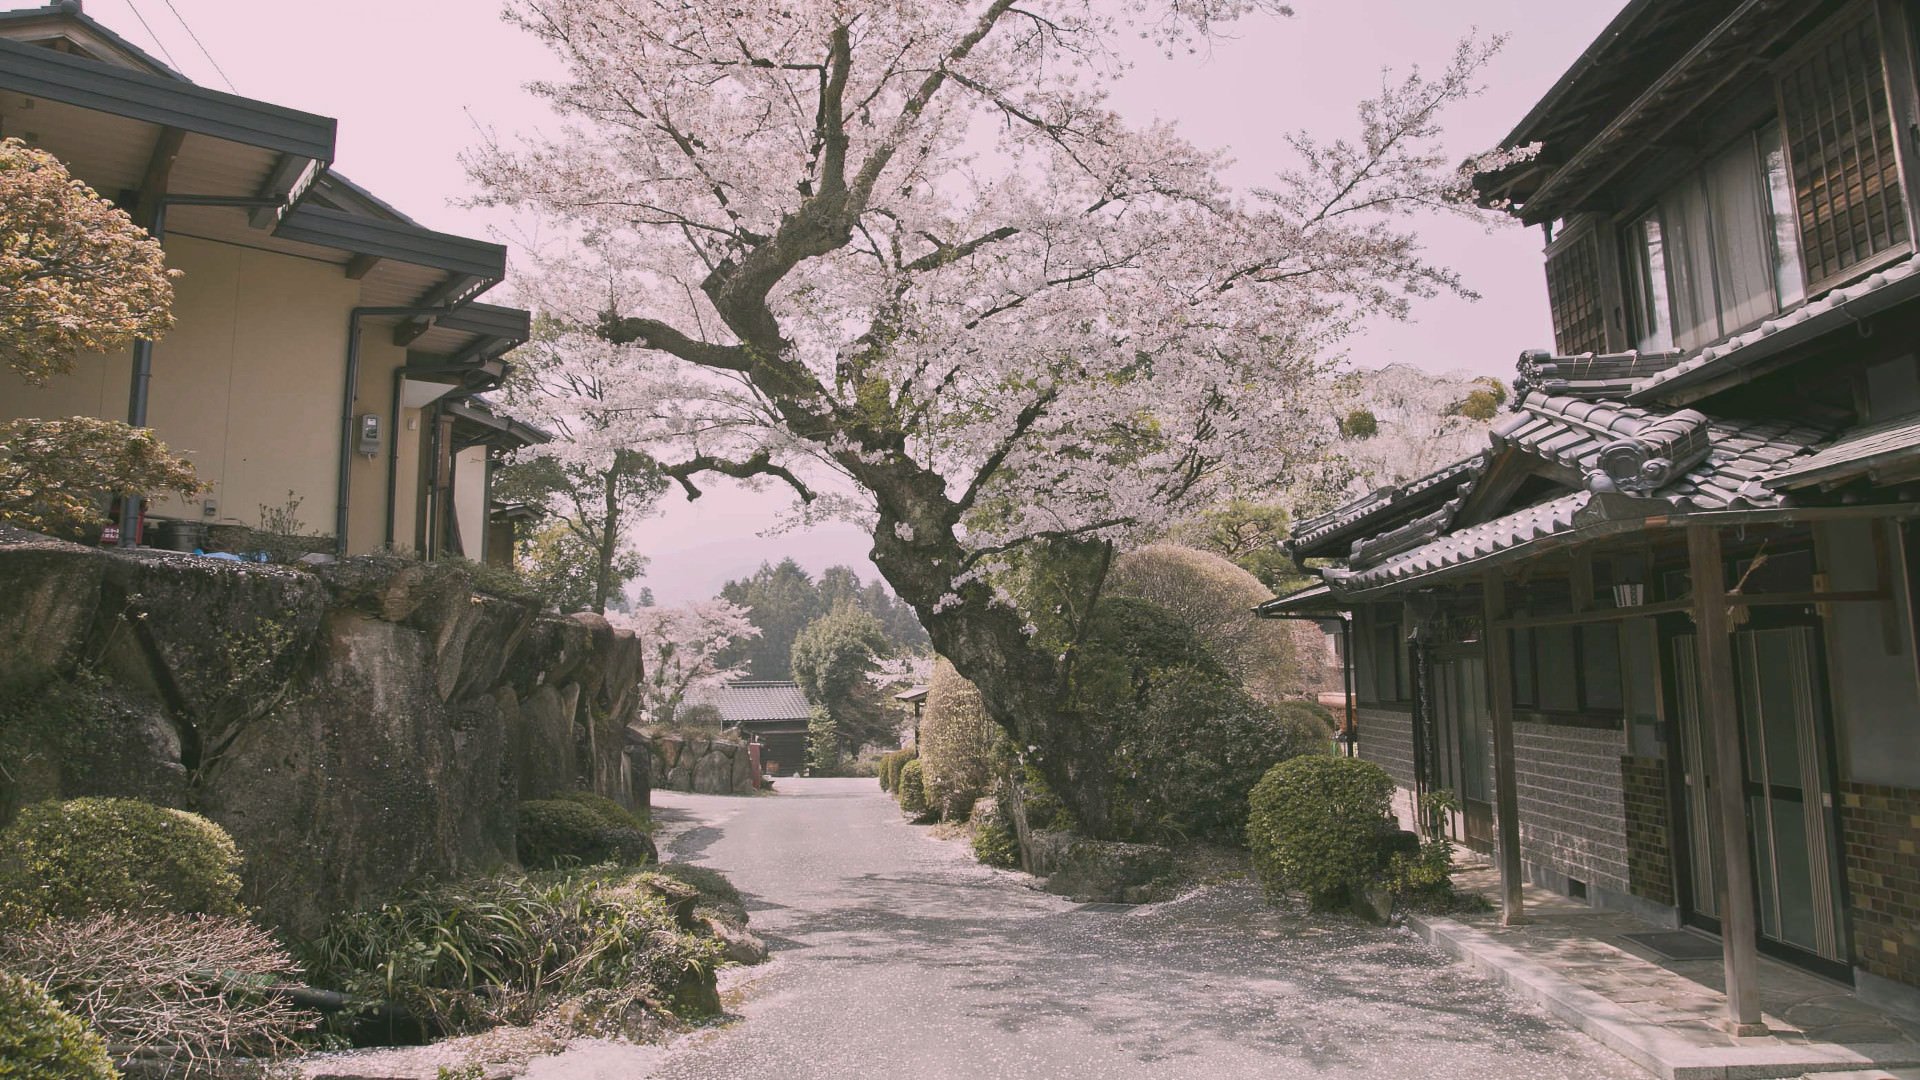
(1573, 292)
(1833, 106)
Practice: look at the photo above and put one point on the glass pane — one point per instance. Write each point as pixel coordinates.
(1600, 666)
(1637, 669)
(1523, 695)
(1690, 264)
(1559, 687)
(1789, 281)
(1386, 657)
(1742, 237)
(1793, 906)
(1647, 258)
(1475, 781)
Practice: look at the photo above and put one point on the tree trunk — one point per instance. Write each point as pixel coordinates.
(1020, 683)
(609, 540)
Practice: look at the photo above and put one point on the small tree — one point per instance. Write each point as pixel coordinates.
(823, 741)
(683, 650)
(833, 661)
(76, 274)
(1215, 599)
(589, 475)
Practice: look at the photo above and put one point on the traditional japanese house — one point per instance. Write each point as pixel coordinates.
(1658, 637)
(773, 712)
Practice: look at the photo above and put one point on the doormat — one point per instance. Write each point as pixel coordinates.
(1106, 909)
(1678, 944)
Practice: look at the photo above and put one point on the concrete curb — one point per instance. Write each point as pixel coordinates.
(1618, 1029)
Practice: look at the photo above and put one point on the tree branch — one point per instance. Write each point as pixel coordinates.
(760, 464)
(654, 334)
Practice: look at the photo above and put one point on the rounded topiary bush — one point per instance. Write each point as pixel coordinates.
(83, 856)
(957, 740)
(1316, 825)
(912, 788)
(612, 813)
(569, 832)
(41, 1041)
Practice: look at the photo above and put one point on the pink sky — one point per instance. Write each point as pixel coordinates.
(409, 82)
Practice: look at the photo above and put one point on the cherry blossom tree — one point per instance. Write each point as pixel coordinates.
(904, 257)
(682, 649)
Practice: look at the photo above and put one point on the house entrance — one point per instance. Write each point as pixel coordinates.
(1786, 744)
(1461, 738)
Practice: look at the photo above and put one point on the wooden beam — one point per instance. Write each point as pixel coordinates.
(153, 183)
(1713, 637)
(453, 288)
(361, 265)
(1499, 648)
(280, 183)
(1903, 100)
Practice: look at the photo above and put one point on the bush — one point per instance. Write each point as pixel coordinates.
(41, 1041)
(912, 789)
(1214, 598)
(567, 831)
(1316, 827)
(890, 766)
(85, 856)
(994, 842)
(608, 811)
(466, 956)
(182, 988)
(1185, 742)
(957, 741)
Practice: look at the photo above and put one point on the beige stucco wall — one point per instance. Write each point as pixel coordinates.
(367, 488)
(246, 386)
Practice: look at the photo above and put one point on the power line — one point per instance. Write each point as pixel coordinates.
(161, 45)
(196, 40)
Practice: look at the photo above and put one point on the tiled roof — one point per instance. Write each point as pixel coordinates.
(1315, 599)
(1686, 460)
(1877, 290)
(1315, 534)
(1860, 452)
(749, 701)
(1468, 545)
(1590, 375)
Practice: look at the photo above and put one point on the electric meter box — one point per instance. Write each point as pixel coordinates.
(368, 427)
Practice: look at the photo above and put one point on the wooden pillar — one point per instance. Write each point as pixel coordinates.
(1720, 712)
(1499, 649)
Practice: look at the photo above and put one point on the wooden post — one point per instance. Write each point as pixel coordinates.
(1499, 649)
(1720, 710)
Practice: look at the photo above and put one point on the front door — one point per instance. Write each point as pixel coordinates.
(1786, 742)
(1462, 733)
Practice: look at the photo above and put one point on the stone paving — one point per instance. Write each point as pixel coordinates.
(1666, 1014)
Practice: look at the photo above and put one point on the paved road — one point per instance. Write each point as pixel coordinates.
(896, 956)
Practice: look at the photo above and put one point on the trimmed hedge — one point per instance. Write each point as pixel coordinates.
(958, 743)
(567, 831)
(612, 813)
(912, 789)
(891, 764)
(84, 856)
(1318, 826)
(41, 1041)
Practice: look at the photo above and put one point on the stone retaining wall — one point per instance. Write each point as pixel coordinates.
(707, 765)
(356, 727)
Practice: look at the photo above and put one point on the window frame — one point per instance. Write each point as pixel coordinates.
(1628, 233)
(1584, 713)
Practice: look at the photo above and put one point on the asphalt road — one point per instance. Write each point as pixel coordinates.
(897, 956)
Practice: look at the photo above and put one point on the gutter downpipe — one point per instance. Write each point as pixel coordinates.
(1347, 678)
(142, 382)
(344, 478)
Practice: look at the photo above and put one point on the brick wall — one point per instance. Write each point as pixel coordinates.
(1880, 831)
(1649, 839)
(1386, 739)
(1572, 817)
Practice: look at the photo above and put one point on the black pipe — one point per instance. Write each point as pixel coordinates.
(1347, 677)
(344, 480)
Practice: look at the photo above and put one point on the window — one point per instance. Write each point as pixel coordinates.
(1573, 293)
(1718, 251)
(1570, 671)
(1389, 664)
(1846, 181)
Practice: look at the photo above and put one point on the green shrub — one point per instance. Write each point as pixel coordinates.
(41, 1041)
(994, 842)
(567, 832)
(612, 813)
(913, 789)
(1422, 878)
(75, 858)
(1316, 827)
(466, 956)
(888, 765)
(958, 743)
